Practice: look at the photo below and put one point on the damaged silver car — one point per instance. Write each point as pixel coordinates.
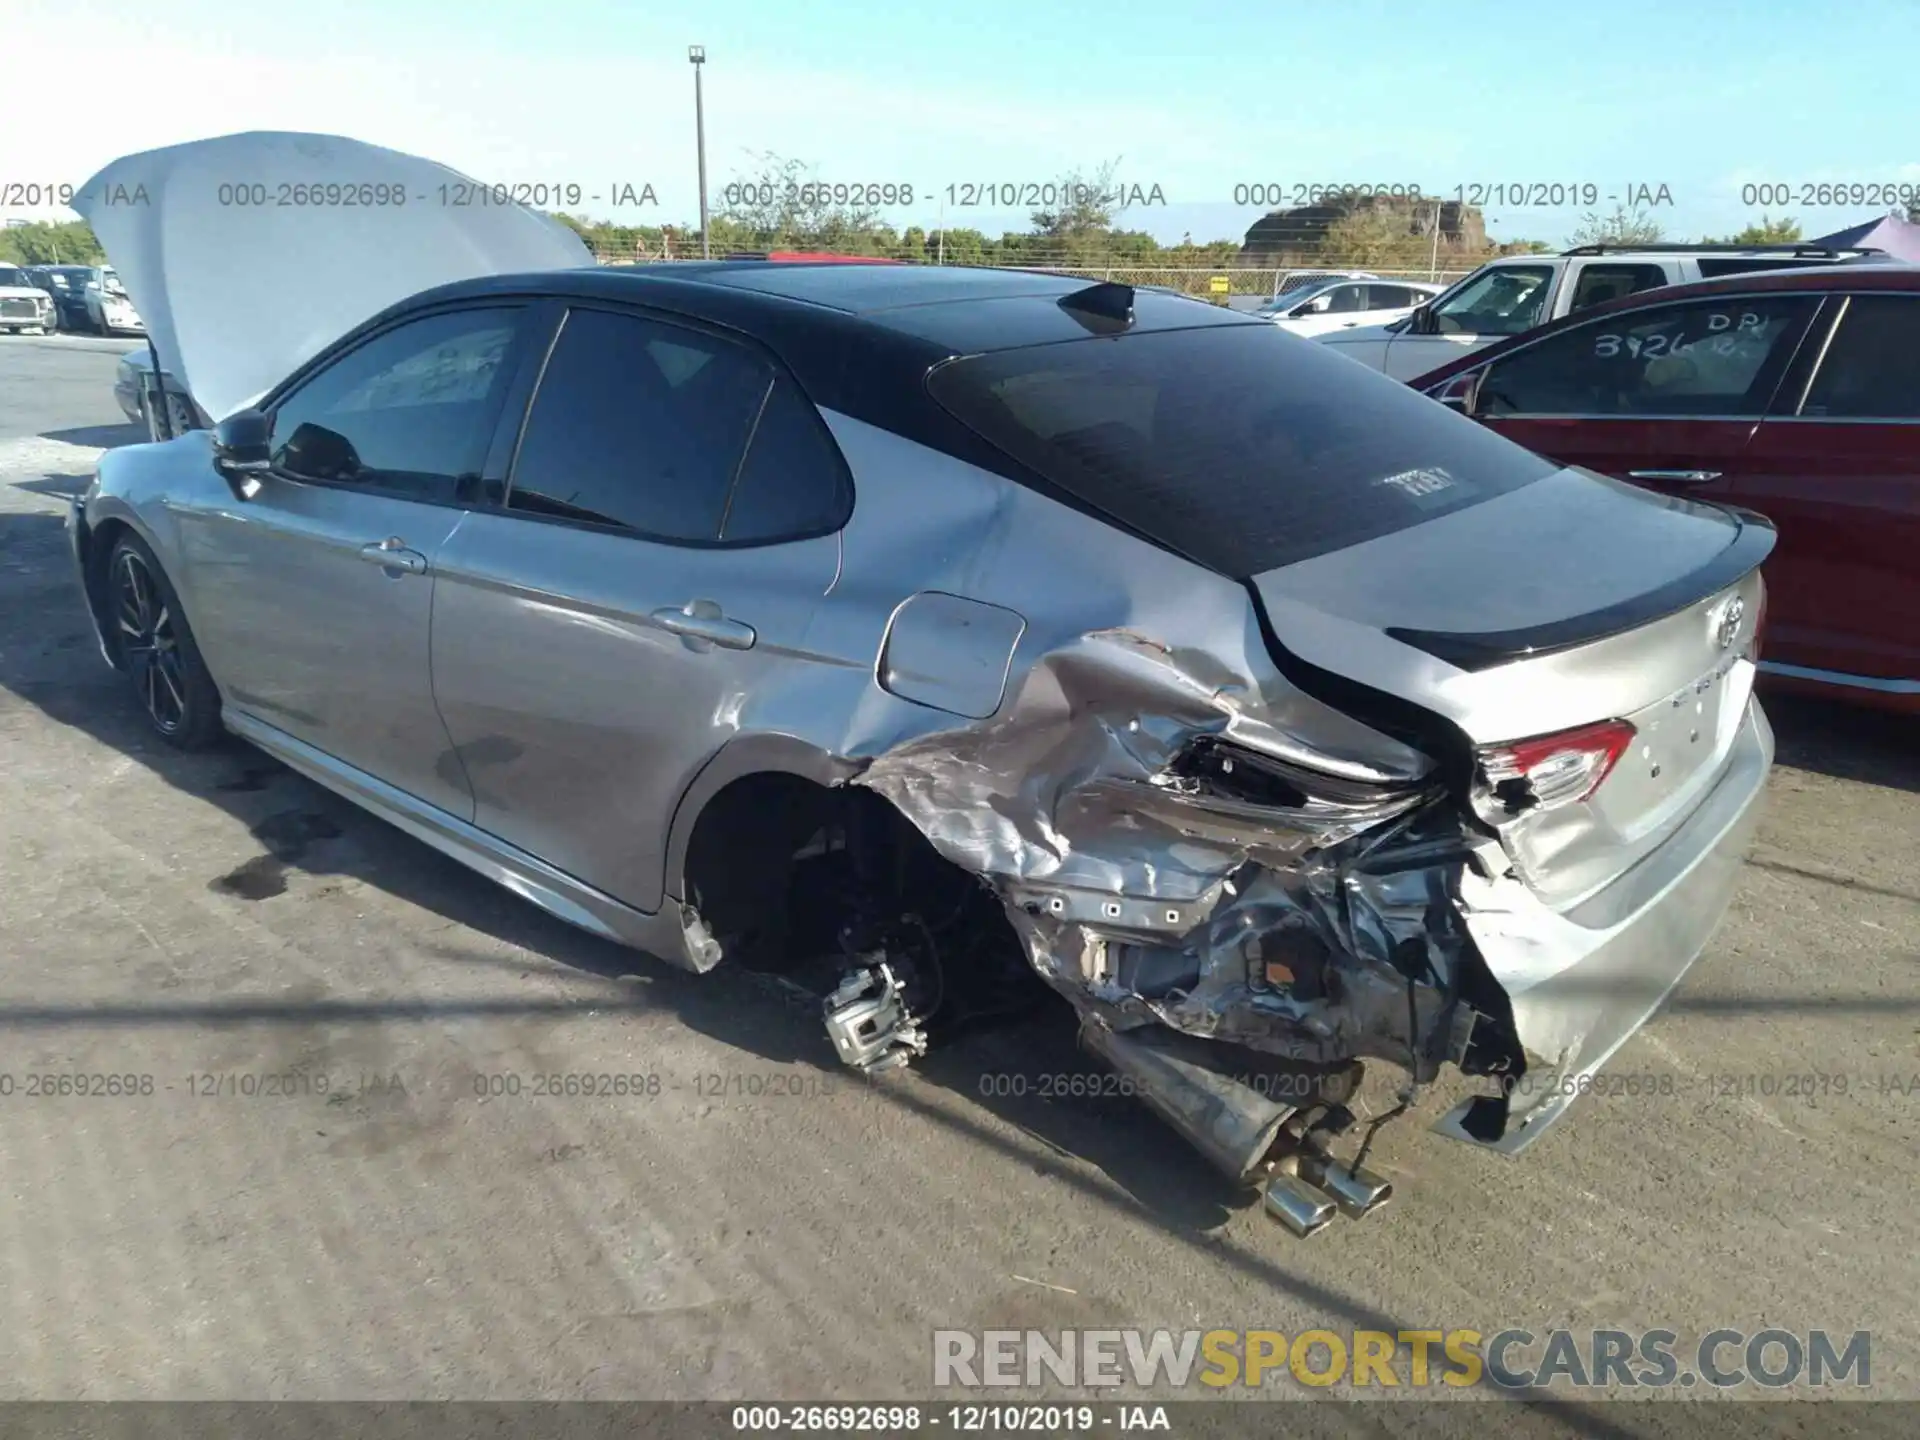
(959, 626)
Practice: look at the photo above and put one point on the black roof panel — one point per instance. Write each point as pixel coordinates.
(864, 289)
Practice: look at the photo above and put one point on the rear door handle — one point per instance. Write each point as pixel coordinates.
(392, 554)
(1677, 477)
(703, 621)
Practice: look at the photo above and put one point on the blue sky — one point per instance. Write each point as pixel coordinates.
(1699, 97)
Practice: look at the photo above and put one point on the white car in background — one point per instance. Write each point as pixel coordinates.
(1515, 293)
(109, 308)
(137, 394)
(1344, 304)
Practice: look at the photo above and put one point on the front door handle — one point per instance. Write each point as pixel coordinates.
(1676, 477)
(392, 554)
(701, 621)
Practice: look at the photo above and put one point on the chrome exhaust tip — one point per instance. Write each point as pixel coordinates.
(1356, 1192)
(1298, 1206)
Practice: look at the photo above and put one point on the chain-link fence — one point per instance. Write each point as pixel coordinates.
(1205, 280)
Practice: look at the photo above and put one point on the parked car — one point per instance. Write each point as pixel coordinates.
(136, 391)
(23, 304)
(959, 626)
(1345, 304)
(1795, 394)
(1516, 293)
(67, 284)
(109, 307)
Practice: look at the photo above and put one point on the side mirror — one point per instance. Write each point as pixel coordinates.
(1421, 321)
(242, 451)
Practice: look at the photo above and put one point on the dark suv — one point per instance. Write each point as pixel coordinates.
(68, 286)
(1794, 393)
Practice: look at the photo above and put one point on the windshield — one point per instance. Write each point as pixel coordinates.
(1237, 445)
(1505, 301)
(13, 275)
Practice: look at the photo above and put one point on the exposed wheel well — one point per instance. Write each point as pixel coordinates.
(784, 872)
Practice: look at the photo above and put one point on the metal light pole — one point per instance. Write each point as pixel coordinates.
(697, 54)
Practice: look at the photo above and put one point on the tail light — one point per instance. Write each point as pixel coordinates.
(1552, 770)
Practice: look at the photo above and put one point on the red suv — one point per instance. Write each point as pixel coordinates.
(1795, 393)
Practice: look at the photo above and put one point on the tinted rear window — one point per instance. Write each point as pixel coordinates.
(1240, 446)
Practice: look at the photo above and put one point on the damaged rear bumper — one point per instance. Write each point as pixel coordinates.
(1581, 982)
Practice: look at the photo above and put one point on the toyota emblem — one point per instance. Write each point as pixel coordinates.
(1730, 618)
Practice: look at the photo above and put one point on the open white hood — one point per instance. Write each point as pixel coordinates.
(248, 254)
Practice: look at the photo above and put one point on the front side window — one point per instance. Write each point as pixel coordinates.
(639, 426)
(1717, 357)
(1505, 301)
(1344, 298)
(1872, 365)
(409, 412)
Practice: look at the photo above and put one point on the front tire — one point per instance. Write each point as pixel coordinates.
(157, 650)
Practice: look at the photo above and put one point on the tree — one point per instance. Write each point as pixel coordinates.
(781, 205)
(46, 242)
(1622, 227)
(1769, 231)
(957, 247)
(1375, 239)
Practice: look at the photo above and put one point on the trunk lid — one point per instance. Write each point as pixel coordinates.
(248, 254)
(1565, 603)
(1412, 567)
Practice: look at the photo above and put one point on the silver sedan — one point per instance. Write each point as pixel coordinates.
(926, 632)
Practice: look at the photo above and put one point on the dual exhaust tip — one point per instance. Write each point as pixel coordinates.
(1235, 1126)
(1307, 1202)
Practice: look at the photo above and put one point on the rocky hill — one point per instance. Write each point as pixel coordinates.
(1303, 229)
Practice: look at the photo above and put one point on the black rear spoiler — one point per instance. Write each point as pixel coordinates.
(1482, 650)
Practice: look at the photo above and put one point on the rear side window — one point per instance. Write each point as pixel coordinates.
(639, 426)
(1872, 365)
(793, 481)
(1719, 357)
(1599, 283)
(1240, 446)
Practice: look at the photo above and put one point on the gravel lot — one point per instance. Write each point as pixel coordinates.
(400, 1237)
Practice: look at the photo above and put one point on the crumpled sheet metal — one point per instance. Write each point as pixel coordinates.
(1064, 787)
(1064, 804)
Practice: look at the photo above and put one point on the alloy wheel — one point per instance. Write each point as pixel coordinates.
(149, 643)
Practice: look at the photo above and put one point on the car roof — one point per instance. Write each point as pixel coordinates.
(1893, 277)
(811, 314)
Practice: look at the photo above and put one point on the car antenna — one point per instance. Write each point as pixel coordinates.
(1108, 301)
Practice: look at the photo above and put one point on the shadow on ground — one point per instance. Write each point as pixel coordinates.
(49, 660)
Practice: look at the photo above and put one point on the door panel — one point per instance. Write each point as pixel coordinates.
(1844, 580)
(313, 637)
(669, 528)
(316, 596)
(580, 716)
(1706, 452)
